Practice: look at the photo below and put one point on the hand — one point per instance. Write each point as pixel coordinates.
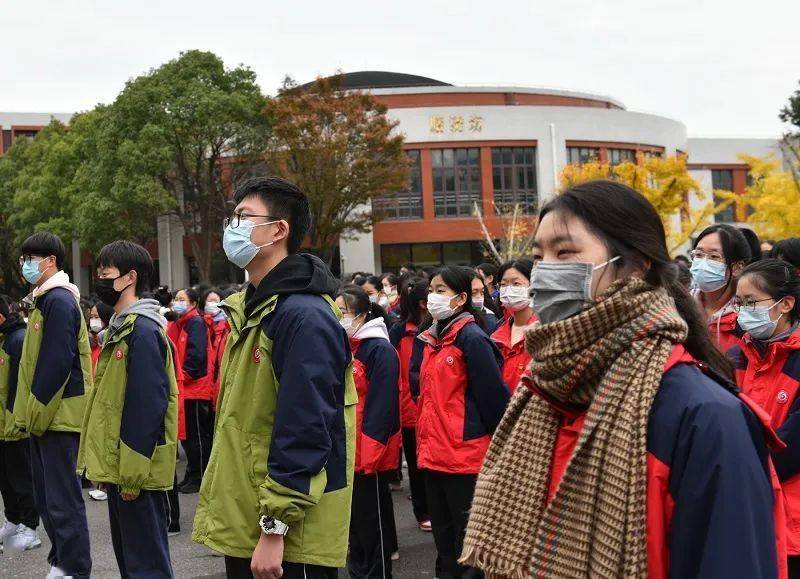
(128, 497)
(267, 558)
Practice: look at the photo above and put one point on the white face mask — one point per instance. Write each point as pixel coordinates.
(439, 306)
(515, 298)
(96, 325)
(212, 308)
(349, 325)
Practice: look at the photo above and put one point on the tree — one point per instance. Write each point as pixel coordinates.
(790, 144)
(516, 237)
(665, 182)
(774, 197)
(189, 128)
(340, 148)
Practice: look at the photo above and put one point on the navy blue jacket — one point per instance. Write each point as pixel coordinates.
(12, 346)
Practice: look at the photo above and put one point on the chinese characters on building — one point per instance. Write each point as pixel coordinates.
(456, 124)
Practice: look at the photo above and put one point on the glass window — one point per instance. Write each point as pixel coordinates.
(394, 256)
(459, 253)
(723, 179)
(456, 181)
(514, 178)
(617, 156)
(403, 204)
(581, 155)
(426, 253)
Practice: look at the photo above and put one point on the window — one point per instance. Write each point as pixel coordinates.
(581, 155)
(723, 179)
(431, 254)
(617, 156)
(403, 204)
(456, 181)
(514, 177)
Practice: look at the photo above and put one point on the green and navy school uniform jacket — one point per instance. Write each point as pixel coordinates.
(130, 428)
(55, 373)
(284, 439)
(12, 334)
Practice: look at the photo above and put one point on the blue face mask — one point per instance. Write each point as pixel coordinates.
(709, 276)
(30, 271)
(237, 245)
(180, 308)
(757, 322)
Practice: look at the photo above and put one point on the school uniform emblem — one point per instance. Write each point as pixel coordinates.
(118, 354)
(37, 326)
(2, 361)
(449, 360)
(257, 355)
(783, 397)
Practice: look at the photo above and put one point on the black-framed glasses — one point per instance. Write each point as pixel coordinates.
(748, 305)
(29, 258)
(235, 220)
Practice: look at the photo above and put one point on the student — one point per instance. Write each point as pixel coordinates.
(461, 400)
(515, 280)
(276, 496)
(619, 456)
(374, 288)
(376, 371)
(767, 363)
(392, 302)
(490, 312)
(408, 268)
(130, 427)
(18, 532)
(55, 374)
(719, 255)
(413, 309)
(218, 330)
(754, 242)
(192, 357)
(488, 272)
(99, 317)
(789, 251)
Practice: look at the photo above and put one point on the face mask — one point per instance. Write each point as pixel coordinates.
(237, 245)
(478, 304)
(561, 290)
(349, 326)
(212, 308)
(439, 306)
(30, 271)
(373, 299)
(104, 288)
(515, 298)
(96, 325)
(709, 276)
(758, 323)
(180, 308)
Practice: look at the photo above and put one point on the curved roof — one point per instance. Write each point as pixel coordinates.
(375, 79)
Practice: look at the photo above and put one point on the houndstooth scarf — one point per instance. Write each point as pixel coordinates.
(609, 358)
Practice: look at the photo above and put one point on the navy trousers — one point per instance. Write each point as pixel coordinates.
(139, 534)
(59, 500)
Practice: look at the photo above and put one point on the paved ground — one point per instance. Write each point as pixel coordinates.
(190, 560)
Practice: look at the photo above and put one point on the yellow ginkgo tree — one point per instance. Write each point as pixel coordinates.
(665, 182)
(773, 197)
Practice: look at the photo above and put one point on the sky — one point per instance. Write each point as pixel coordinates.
(723, 67)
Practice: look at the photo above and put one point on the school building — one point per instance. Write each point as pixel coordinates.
(484, 147)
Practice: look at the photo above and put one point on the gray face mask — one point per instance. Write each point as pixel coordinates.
(561, 290)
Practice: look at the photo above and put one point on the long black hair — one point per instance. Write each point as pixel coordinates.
(777, 278)
(459, 279)
(489, 300)
(524, 266)
(413, 291)
(358, 303)
(631, 228)
(735, 247)
(753, 241)
(788, 250)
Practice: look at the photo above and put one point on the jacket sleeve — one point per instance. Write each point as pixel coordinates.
(414, 367)
(382, 406)
(195, 364)
(484, 376)
(396, 333)
(787, 461)
(722, 524)
(13, 347)
(144, 407)
(60, 328)
(309, 357)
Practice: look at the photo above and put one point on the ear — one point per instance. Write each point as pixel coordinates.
(787, 305)
(736, 268)
(283, 230)
(460, 299)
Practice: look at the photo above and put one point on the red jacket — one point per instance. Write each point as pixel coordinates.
(172, 334)
(462, 398)
(771, 378)
(192, 355)
(402, 338)
(218, 336)
(94, 342)
(515, 358)
(376, 370)
(711, 508)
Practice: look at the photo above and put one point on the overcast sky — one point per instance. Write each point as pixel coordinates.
(723, 67)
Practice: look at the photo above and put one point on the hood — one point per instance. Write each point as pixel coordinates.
(60, 279)
(147, 308)
(12, 323)
(300, 273)
(372, 329)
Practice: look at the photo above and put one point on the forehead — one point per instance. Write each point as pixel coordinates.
(512, 273)
(477, 283)
(746, 287)
(181, 295)
(107, 268)
(252, 205)
(341, 303)
(558, 227)
(711, 242)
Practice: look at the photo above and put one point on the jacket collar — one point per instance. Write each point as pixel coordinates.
(502, 335)
(450, 331)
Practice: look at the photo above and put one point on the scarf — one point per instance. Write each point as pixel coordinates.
(609, 360)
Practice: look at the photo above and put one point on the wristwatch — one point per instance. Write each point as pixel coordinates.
(272, 526)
